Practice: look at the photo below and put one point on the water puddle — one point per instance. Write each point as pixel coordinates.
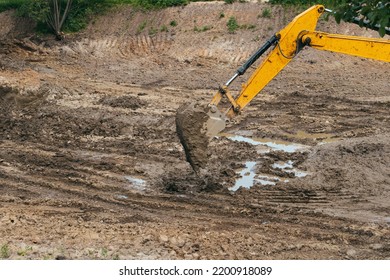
(322, 137)
(275, 145)
(266, 182)
(121, 196)
(136, 183)
(283, 165)
(288, 167)
(248, 176)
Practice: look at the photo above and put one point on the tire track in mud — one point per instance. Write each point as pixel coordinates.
(137, 40)
(306, 197)
(164, 44)
(64, 163)
(99, 191)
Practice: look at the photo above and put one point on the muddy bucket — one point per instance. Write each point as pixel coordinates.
(196, 124)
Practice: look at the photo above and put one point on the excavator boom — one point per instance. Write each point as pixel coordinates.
(287, 43)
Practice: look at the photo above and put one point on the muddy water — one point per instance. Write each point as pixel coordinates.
(288, 167)
(322, 137)
(136, 183)
(248, 176)
(266, 144)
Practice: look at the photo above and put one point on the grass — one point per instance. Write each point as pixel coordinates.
(4, 252)
(164, 28)
(203, 28)
(306, 3)
(266, 13)
(232, 25)
(142, 26)
(104, 252)
(152, 31)
(10, 4)
(23, 252)
(85, 11)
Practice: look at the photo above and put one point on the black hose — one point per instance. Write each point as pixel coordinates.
(257, 54)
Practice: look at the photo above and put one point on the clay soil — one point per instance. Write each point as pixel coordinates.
(91, 167)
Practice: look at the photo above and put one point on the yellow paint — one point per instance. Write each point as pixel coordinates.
(378, 49)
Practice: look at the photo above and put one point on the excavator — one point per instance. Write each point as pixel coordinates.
(196, 124)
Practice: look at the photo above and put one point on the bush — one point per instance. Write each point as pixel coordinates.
(369, 13)
(79, 15)
(10, 4)
(304, 2)
(266, 13)
(149, 4)
(232, 25)
(35, 9)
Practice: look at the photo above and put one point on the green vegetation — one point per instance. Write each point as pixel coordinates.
(151, 4)
(23, 252)
(164, 28)
(104, 252)
(370, 12)
(266, 13)
(232, 1)
(173, 23)
(10, 4)
(142, 26)
(247, 26)
(79, 14)
(4, 252)
(152, 31)
(203, 28)
(232, 25)
(64, 15)
(306, 3)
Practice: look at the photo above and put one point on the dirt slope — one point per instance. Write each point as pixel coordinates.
(90, 165)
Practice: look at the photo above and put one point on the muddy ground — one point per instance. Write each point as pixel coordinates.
(91, 167)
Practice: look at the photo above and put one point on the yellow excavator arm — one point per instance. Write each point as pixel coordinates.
(288, 42)
(196, 126)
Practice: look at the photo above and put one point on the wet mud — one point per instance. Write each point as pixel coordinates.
(91, 166)
(190, 122)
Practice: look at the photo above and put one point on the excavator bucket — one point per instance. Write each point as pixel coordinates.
(195, 126)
